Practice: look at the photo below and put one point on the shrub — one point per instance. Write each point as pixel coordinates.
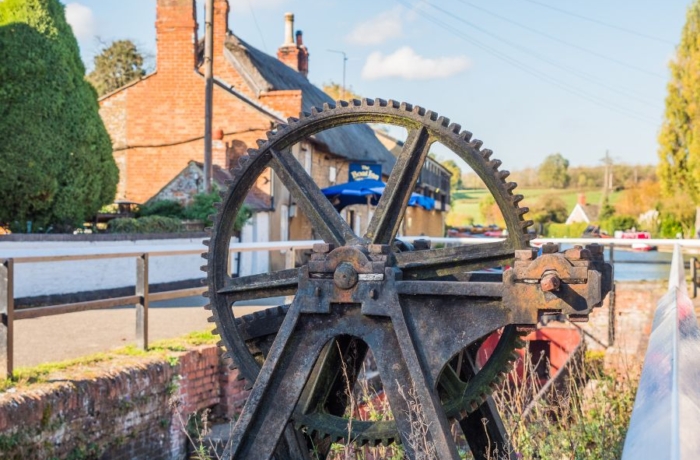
(167, 208)
(148, 224)
(618, 223)
(565, 231)
(203, 206)
(160, 224)
(56, 164)
(124, 225)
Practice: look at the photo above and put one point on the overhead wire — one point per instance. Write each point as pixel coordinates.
(572, 70)
(602, 23)
(564, 42)
(530, 70)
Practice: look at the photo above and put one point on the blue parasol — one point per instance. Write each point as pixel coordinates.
(359, 192)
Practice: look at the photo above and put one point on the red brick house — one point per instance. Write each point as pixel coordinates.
(157, 123)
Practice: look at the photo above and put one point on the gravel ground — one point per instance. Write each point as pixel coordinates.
(61, 337)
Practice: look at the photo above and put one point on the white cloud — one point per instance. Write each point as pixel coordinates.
(377, 30)
(407, 64)
(82, 20)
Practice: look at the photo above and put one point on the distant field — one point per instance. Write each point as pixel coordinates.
(465, 203)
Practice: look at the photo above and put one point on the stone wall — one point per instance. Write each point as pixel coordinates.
(135, 409)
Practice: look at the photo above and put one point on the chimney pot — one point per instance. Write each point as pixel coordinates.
(582, 199)
(289, 29)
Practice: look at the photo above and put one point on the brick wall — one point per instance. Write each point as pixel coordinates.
(121, 411)
(157, 124)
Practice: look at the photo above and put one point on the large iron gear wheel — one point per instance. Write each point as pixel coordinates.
(242, 337)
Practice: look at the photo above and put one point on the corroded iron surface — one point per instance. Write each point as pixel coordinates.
(419, 310)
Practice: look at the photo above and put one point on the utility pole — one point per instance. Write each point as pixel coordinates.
(208, 91)
(345, 59)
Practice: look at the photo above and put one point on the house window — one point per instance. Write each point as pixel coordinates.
(332, 174)
(357, 225)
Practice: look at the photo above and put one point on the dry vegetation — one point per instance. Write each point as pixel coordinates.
(584, 418)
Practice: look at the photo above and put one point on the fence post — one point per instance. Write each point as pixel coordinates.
(7, 313)
(694, 275)
(142, 306)
(611, 301)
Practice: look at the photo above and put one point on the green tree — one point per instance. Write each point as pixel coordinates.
(456, 179)
(56, 164)
(679, 139)
(553, 172)
(117, 65)
(549, 208)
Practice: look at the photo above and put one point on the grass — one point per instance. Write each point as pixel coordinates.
(465, 203)
(25, 376)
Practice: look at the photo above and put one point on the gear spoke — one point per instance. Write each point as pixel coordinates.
(387, 217)
(434, 263)
(260, 286)
(323, 216)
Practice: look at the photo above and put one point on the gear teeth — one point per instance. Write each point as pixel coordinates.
(269, 134)
(495, 164)
(211, 319)
(315, 110)
(205, 294)
(465, 135)
(433, 116)
(260, 142)
(380, 102)
(212, 217)
(367, 102)
(474, 405)
(215, 331)
(503, 174)
(406, 106)
(292, 120)
(204, 255)
(455, 128)
(418, 110)
(356, 102)
(204, 268)
(304, 114)
(517, 199)
(206, 242)
(217, 204)
(486, 154)
(526, 223)
(223, 194)
(340, 103)
(327, 106)
(510, 186)
(282, 127)
(476, 144)
(494, 386)
(443, 121)
(522, 211)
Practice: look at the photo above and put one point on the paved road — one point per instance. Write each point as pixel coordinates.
(73, 335)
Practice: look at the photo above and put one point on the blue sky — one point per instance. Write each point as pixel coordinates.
(528, 77)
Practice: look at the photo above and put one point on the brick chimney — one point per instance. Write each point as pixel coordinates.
(293, 53)
(221, 10)
(303, 57)
(176, 35)
(582, 199)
